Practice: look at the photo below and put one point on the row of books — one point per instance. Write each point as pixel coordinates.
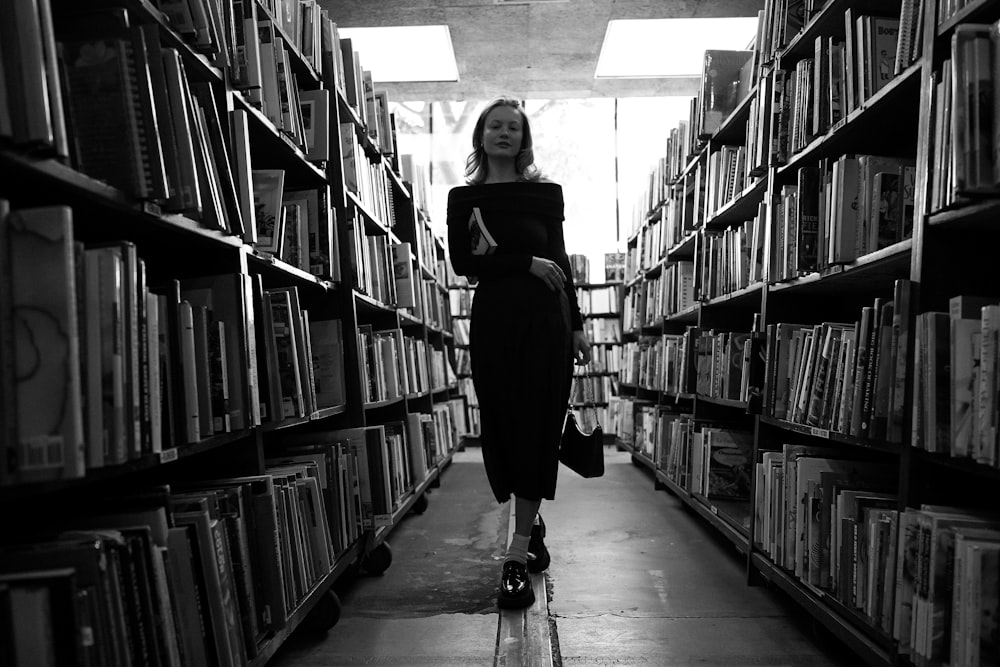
(145, 368)
(392, 459)
(599, 300)
(711, 364)
(460, 327)
(838, 79)
(434, 303)
(674, 291)
(467, 388)
(721, 363)
(965, 107)
(831, 521)
(417, 178)
(140, 368)
(648, 301)
(730, 260)
(460, 300)
(312, 35)
(614, 267)
(779, 22)
(427, 247)
(710, 462)
(948, 566)
(579, 267)
(442, 370)
(663, 174)
(202, 573)
(955, 379)
(651, 363)
(841, 211)
(926, 575)
(603, 330)
(637, 369)
(654, 363)
(592, 416)
(651, 244)
(208, 571)
(394, 365)
(644, 436)
(373, 261)
(726, 79)
(728, 177)
(620, 418)
(272, 87)
(296, 226)
(592, 389)
(365, 176)
(845, 377)
(357, 85)
(181, 149)
(604, 358)
(303, 358)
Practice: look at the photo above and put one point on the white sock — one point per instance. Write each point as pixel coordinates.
(518, 549)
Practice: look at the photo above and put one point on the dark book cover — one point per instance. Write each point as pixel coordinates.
(808, 202)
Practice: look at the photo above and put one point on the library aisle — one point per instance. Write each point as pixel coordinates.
(636, 579)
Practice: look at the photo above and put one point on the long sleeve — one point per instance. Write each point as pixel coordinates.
(557, 248)
(498, 264)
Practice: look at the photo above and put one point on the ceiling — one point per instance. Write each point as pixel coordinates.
(530, 49)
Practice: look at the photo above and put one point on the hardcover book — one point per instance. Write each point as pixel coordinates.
(481, 240)
(50, 438)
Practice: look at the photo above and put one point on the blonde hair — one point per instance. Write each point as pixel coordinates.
(477, 166)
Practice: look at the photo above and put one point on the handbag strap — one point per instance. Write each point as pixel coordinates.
(588, 396)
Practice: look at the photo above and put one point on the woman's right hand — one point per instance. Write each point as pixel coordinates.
(548, 272)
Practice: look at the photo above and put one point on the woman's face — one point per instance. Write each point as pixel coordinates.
(503, 132)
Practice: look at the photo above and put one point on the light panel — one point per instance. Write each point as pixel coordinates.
(405, 53)
(636, 48)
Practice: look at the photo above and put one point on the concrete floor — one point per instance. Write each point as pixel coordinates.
(635, 580)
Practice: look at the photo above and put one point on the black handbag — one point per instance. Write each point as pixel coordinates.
(581, 452)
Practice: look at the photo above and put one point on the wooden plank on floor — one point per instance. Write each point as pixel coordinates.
(523, 639)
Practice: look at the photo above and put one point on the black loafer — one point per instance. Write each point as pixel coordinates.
(515, 587)
(538, 554)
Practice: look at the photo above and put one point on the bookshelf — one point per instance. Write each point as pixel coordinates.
(596, 383)
(460, 295)
(886, 306)
(213, 288)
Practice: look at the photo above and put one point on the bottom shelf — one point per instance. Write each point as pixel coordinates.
(383, 531)
(352, 555)
(873, 647)
(637, 456)
(272, 644)
(729, 517)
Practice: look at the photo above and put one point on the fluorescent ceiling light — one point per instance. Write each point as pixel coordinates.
(636, 48)
(405, 53)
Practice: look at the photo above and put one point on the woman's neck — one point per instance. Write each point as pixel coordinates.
(502, 171)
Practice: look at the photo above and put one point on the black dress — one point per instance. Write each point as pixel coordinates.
(520, 333)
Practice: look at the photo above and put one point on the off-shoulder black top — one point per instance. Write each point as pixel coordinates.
(525, 218)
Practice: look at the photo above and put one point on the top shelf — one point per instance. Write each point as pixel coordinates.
(877, 117)
(830, 22)
(733, 128)
(977, 11)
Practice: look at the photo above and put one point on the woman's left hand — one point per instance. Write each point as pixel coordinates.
(581, 348)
